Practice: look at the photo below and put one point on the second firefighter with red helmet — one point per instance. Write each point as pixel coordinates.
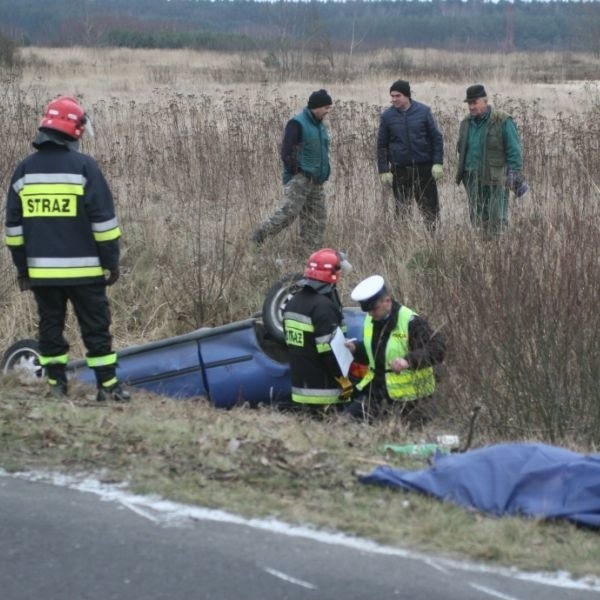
(311, 318)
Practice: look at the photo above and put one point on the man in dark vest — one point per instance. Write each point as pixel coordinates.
(305, 156)
(489, 161)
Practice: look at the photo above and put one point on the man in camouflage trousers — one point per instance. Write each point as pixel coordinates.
(305, 156)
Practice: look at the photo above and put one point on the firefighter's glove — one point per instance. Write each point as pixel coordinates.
(387, 178)
(24, 283)
(113, 275)
(437, 172)
(346, 386)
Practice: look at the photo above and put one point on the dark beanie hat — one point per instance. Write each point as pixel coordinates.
(319, 98)
(475, 91)
(401, 86)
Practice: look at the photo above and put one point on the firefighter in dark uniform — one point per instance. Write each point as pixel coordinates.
(311, 318)
(63, 235)
(400, 349)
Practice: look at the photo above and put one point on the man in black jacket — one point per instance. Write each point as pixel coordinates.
(410, 153)
(311, 319)
(63, 235)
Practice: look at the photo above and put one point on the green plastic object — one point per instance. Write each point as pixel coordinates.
(421, 450)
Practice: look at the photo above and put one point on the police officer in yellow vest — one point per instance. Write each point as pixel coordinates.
(400, 349)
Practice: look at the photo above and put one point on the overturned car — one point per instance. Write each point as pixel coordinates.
(244, 362)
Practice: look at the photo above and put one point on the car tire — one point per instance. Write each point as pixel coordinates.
(275, 302)
(23, 358)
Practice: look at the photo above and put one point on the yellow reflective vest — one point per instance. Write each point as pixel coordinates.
(409, 384)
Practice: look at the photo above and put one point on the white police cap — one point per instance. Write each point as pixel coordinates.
(368, 291)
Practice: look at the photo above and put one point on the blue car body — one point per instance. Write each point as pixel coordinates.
(228, 364)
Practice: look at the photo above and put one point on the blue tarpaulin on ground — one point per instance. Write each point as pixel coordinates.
(534, 480)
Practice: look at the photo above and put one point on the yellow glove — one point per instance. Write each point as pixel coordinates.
(437, 172)
(346, 386)
(387, 178)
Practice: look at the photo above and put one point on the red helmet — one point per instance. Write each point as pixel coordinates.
(324, 265)
(66, 115)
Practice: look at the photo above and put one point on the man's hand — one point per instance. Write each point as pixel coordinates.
(346, 386)
(399, 364)
(437, 172)
(387, 178)
(515, 183)
(24, 283)
(350, 344)
(112, 276)
(521, 190)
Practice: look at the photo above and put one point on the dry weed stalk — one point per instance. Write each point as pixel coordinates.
(194, 172)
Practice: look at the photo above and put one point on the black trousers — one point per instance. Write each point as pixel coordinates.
(416, 183)
(92, 310)
(374, 404)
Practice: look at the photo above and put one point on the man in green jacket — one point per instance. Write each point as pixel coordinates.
(305, 157)
(489, 161)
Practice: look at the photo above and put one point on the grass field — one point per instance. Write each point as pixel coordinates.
(262, 463)
(189, 144)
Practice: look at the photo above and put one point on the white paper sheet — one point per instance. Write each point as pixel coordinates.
(342, 354)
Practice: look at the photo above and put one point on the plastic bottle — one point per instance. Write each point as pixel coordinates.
(421, 450)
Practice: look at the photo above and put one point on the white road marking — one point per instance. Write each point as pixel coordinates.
(431, 563)
(143, 512)
(491, 592)
(290, 579)
(168, 512)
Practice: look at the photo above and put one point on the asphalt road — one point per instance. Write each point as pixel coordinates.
(58, 543)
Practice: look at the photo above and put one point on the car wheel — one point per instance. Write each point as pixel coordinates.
(275, 302)
(23, 358)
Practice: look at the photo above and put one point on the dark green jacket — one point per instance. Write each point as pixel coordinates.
(499, 147)
(312, 154)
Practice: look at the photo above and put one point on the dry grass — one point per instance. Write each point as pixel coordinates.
(264, 463)
(194, 167)
(128, 74)
(189, 143)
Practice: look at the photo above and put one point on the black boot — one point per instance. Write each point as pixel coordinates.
(115, 392)
(57, 380)
(58, 389)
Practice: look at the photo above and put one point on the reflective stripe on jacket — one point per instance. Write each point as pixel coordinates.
(409, 384)
(60, 221)
(310, 320)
